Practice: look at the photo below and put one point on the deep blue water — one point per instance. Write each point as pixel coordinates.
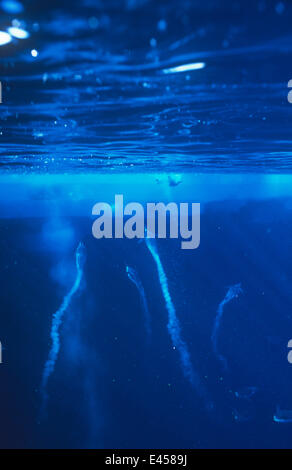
(112, 386)
(94, 105)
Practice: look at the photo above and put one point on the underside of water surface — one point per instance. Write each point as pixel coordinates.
(135, 342)
(155, 85)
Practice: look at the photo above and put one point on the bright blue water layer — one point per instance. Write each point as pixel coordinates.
(89, 89)
(115, 382)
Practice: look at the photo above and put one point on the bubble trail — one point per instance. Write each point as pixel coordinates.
(232, 293)
(133, 276)
(174, 329)
(56, 323)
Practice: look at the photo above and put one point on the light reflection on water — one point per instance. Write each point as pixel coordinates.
(89, 89)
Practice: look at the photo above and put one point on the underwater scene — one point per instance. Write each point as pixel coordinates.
(145, 224)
